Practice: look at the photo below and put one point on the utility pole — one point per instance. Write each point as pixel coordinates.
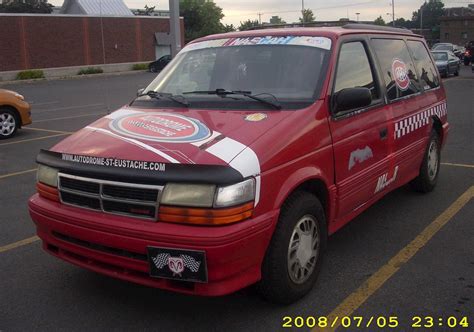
(302, 11)
(421, 18)
(175, 28)
(393, 12)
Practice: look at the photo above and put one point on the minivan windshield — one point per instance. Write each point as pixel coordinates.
(287, 70)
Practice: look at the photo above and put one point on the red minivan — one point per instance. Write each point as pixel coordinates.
(235, 164)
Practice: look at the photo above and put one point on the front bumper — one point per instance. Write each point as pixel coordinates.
(25, 112)
(116, 246)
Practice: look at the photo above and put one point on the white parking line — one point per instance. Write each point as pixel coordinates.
(70, 117)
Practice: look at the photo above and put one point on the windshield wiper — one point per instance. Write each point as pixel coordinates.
(223, 93)
(162, 95)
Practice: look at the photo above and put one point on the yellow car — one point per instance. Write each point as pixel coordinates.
(15, 112)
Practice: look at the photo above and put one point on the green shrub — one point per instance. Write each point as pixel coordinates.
(30, 74)
(140, 66)
(90, 70)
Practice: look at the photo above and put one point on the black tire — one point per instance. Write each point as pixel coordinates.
(276, 284)
(456, 73)
(427, 179)
(8, 118)
(466, 61)
(153, 69)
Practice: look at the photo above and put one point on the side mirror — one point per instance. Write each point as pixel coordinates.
(352, 98)
(140, 91)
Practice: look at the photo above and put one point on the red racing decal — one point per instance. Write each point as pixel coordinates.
(400, 74)
(161, 127)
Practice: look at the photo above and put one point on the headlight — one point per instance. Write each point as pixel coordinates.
(197, 195)
(17, 95)
(235, 194)
(47, 175)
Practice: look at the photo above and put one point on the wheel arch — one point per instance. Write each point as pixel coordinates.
(309, 180)
(438, 127)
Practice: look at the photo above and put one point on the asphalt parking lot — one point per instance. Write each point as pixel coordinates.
(408, 255)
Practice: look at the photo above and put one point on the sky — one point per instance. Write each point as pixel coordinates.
(240, 10)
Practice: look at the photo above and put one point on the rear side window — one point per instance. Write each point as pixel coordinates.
(397, 68)
(424, 66)
(353, 69)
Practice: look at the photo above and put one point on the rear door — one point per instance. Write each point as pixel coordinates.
(359, 135)
(408, 77)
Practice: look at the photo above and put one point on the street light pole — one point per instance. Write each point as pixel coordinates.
(357, 16)
(175, 28)
(393, 12)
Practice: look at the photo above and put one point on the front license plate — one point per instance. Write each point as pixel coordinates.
(177, 264)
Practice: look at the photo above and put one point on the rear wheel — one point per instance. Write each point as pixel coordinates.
(8, 123)
(294, 257)
(429, 170)
(466, 61)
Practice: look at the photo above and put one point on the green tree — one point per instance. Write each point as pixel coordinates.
(276, 20)
(248, 25)
(26, 6)
(149, 10)
(229, 28)
(308, 16)
(431, 11)
(201, 18)
(379, 21)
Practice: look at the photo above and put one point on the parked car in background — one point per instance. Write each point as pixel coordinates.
(468, 53)
(447, 63)
(158, 65)
(448, 47)
(14, 113)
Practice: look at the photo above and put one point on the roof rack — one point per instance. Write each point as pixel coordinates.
(376, 27)
(315, 24)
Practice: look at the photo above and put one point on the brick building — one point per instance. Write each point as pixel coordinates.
(29, 41)
(457, 29)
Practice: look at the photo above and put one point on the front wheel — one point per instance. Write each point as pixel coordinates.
(429, 170)
(8, 123)
(294, 257)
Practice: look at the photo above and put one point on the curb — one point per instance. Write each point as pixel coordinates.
(14, 82)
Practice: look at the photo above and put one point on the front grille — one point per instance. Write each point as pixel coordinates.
(121, 198)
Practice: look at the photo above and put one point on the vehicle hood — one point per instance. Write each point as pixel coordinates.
(178, 136)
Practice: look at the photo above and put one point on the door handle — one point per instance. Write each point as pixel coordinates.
(383, 133)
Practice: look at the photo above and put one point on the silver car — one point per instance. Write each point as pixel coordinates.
(447, 63)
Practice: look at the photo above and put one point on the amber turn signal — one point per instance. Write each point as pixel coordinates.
(199, 216)
(47, 191)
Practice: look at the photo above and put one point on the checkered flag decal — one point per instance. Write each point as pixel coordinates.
(190, 263)
(419, 120)
(161, 260)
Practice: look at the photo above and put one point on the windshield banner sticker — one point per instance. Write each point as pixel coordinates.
(311, 41)
(113, 162)
(161, 127)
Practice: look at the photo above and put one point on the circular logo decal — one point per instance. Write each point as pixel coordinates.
(256, 117)
(400, 74)
(161, 127)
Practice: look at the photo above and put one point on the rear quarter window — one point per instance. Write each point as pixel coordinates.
(398, 70)
(424, 66)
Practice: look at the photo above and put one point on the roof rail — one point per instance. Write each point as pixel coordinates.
(376, 27)
(315, 24)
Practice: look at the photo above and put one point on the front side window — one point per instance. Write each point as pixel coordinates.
(424, 66)
(397, 68)
(290, 69)
(353, 69)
